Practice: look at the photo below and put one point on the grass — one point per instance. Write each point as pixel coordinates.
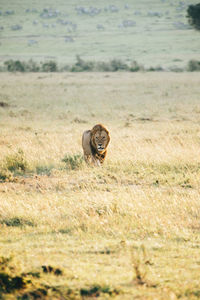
(160, 32)
(73, 162)
(129, 229)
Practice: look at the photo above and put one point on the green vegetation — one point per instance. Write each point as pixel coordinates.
(90, 66)
(97, 290)
(79, 66)
(193, 66)
(9, 282)
(73, 162)
(193, 12)
(16, 162)
(16, 222)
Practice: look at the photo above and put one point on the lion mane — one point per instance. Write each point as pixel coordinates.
(95, 143)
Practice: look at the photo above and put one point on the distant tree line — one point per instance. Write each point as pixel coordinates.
(82, 65)
(79, 66)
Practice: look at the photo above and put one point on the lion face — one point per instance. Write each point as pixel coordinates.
(100, 138)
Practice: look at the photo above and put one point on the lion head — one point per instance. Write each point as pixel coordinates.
(100, 138)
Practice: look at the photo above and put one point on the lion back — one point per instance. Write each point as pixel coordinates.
(86, 138)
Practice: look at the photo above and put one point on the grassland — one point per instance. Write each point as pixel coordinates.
(129, 229)
(151, 32)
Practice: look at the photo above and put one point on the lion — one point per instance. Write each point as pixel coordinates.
(95, 143)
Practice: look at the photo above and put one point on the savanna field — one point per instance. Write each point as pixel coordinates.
(126, 230)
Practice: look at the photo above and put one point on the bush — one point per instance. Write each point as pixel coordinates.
(44, 169)
(97, 290)
(21, 66)
(16, 222)
(103, 67)
(135, 67)
(155, 69)
(118, 65)
(13, 164)
(15, 66)
(5, 175)
(8, 282)
(81, 65)
(16, 162)
(73, 162)
(32, 66)
(193, 14)
(112, 66)
(50, 66)
(193, 65)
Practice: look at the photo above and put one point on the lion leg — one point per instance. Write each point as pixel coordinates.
(91, 160)
(87, 158)
(96, 162)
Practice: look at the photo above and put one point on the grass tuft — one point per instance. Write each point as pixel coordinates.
(73, 162)
(52, 270)
(8, 282)
(5, 175)
(96, 291)
(44, 169)
(16, 222)
(16, 162)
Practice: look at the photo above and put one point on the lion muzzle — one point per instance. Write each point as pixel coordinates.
(100, 148)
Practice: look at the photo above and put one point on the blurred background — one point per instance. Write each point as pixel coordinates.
(150, 34)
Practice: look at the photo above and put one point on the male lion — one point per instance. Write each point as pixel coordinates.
(94, 143)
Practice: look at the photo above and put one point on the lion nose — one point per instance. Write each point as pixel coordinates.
(100, 145)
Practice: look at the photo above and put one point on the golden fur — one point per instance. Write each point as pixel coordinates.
(95, 143)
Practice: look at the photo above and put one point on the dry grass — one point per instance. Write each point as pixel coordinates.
(94, 223)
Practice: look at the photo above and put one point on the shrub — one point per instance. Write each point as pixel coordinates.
(193, 14)
(103, 67)
(135, 67)
(8, 282)
(44, 169)
(49, 66)
(5, 175)
(16, 222)
(15, 66)
(32, 66)
(16, 162)
(176, 69)
(118, 65)
(65, 68)
(193, 65)
(97, 290)
(21, 66)
(81, 65)
(73, 162)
